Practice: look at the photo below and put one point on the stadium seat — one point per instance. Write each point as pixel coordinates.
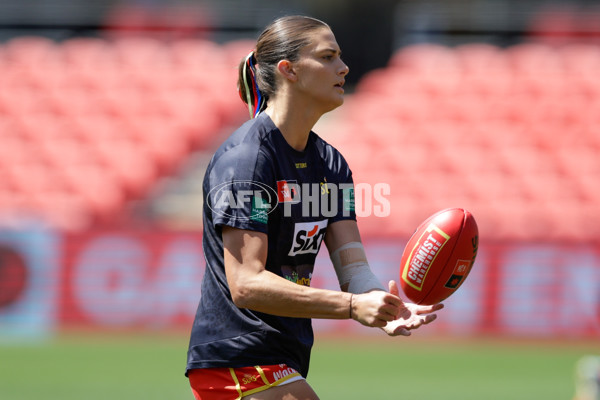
(68, 152)
(193, 54)
(107, 78)
(16, 77)
(73, 101)
(533, 59)
(97, 187)
(121, 102)
(460, 108)
(588, 187)
(234, 51)
(9, 126)
(580, 59)
(425, 59)
(87, 54)
(480, 58)
(17, 151)
(44, 126)
(468, 159)
(163, 140)
(30, 51)
(578, 160)
(63, 210)
(99, 127)
(129, 163)
(527, 160)
(14, 205)
(139, 53)
(23, 100)
(6, 182)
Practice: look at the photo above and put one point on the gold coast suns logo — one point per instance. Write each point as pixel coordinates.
(249, 378)
(307, 237)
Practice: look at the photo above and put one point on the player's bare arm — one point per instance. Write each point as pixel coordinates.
(349, 259)
(255, 288)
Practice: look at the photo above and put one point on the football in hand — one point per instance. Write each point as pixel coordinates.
(439, 256)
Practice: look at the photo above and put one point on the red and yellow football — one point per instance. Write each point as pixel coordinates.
(439, 256)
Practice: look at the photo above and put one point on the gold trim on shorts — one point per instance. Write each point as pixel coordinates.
(267, 384)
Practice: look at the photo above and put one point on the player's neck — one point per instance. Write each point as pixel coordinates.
(294, 122)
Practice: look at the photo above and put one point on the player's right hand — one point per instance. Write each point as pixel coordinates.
(376, 308)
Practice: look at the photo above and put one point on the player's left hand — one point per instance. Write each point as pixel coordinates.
(411, 316)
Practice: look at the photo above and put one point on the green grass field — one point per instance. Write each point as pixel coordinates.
(118, 366)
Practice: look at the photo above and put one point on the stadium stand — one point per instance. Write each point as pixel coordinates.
(511, 134)
(89, 125)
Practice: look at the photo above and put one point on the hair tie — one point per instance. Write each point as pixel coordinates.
(256, 102)
(247, 89)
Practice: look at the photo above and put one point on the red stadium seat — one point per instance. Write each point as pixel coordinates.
(121, 102)
(234, 51)
(588, 187)
(578, 160)
(130, 164)
(15, 77)
(74, 101)
(99, 127)
(163, 140)
(425, 59)
(195, 53)
(580, 59)
(487, 85)
(6, 181)
(534, 59)
(31, 51)
(17, 151)
(139, 53)
(15, 205)
(44, 126)
(24, 101)
(469, 159)
(66, 153)
(480, 58)
(89, 54)
(64, 210)
(492, 187)
(97, 186)
(34, 178)
(527, 160)
(10, 127)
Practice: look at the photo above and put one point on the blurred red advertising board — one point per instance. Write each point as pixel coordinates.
(130, 279)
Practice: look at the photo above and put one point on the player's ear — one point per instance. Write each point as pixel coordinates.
(287, 70)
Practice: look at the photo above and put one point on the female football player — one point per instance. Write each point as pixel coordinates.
(273, 192)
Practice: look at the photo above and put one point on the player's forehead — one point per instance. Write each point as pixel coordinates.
(321, 40)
